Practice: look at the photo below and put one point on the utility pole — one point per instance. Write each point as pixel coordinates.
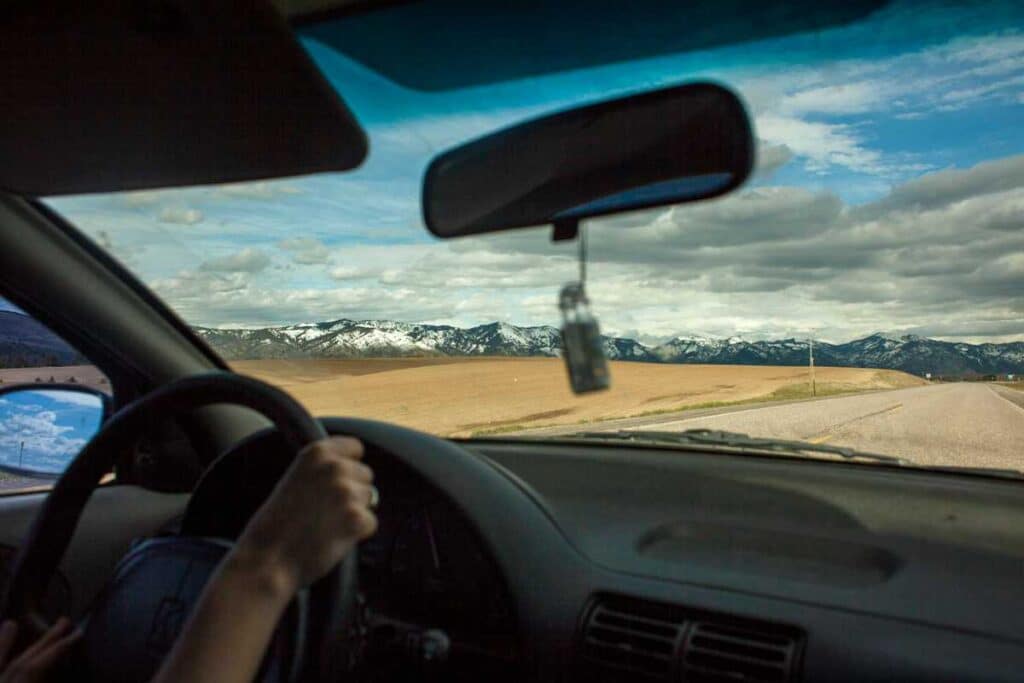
(21, 451)
(810, 365)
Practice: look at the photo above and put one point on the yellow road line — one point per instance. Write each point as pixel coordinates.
(822, 438)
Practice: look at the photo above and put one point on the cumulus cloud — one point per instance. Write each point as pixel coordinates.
(847, 228)
(180, 215)
(258, 190)
(812, 109)
(248, 260)
(349, 273)
(194, 285)
(32, 437)
(253, 304)
(845, 270)
(844, 98)
(952, 185)
(822, 144)
(71, 398)
(305, 250)
(771, 158)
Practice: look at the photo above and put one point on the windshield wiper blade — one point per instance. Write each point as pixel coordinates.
(715, 437)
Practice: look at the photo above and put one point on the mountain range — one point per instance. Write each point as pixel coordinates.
(25, 342)
(383, 338)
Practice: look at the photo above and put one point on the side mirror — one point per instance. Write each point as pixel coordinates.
(44, 426)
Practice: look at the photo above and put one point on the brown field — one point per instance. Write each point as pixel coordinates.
(78, 374)
(463, 396)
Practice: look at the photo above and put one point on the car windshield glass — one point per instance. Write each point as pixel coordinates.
(862, 289)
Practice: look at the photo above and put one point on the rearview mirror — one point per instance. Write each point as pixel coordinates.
(669, 146)
(44, 426)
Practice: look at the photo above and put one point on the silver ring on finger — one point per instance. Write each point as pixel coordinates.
(374, 497)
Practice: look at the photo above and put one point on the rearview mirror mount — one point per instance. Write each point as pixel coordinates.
(668, 146)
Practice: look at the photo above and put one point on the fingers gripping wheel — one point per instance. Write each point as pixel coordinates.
(55, 524)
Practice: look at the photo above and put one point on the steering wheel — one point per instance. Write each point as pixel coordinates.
(327, 638)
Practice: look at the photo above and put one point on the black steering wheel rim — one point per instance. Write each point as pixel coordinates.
(51, 532)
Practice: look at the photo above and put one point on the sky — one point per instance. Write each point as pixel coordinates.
(888, 196)
(43, 430)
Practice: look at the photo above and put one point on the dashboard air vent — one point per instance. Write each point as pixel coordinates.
(720, 653)
(624, 639)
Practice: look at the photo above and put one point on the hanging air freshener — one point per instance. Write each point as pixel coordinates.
(581, 337)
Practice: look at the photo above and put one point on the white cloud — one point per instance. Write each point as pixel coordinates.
(951, 185)
(881, 250)
(823, 144)
(770, 158)
(305, 250)
(181, 215)
(844, 98)
(257, 190)
(72, 398)
(350, 273)
(965, 96)
(811, 109)
(35, 440)
(248, 260)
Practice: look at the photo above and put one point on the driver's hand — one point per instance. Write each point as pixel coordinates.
(39, 658)
(319, 510)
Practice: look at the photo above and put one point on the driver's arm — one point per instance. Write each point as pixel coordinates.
(319, 510)
(36, 663)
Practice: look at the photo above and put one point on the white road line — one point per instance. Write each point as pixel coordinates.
(1006, 399)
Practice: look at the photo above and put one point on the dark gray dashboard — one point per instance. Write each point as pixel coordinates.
(887, 573)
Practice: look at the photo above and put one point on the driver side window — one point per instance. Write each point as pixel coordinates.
(52, 401)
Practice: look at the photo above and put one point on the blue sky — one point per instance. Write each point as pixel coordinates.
(43, 430)
(889, 197)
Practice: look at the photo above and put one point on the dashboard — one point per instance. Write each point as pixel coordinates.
(428, 570)
(531, 560)
(426, 564)
(712, 567)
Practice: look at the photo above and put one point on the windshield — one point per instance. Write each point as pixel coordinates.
(862, 289)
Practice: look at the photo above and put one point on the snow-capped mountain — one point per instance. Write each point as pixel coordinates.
(911, 353)
(383, 338)
(920, 355)
(734, 351)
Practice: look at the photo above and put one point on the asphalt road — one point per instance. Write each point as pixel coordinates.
(966, 424)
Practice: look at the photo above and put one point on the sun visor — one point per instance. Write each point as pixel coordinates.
(103, 96)
(452, 44)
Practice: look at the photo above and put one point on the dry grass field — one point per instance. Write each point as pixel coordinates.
(76, 374)
(463, 396)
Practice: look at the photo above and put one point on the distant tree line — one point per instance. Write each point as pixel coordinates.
(19, 356)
